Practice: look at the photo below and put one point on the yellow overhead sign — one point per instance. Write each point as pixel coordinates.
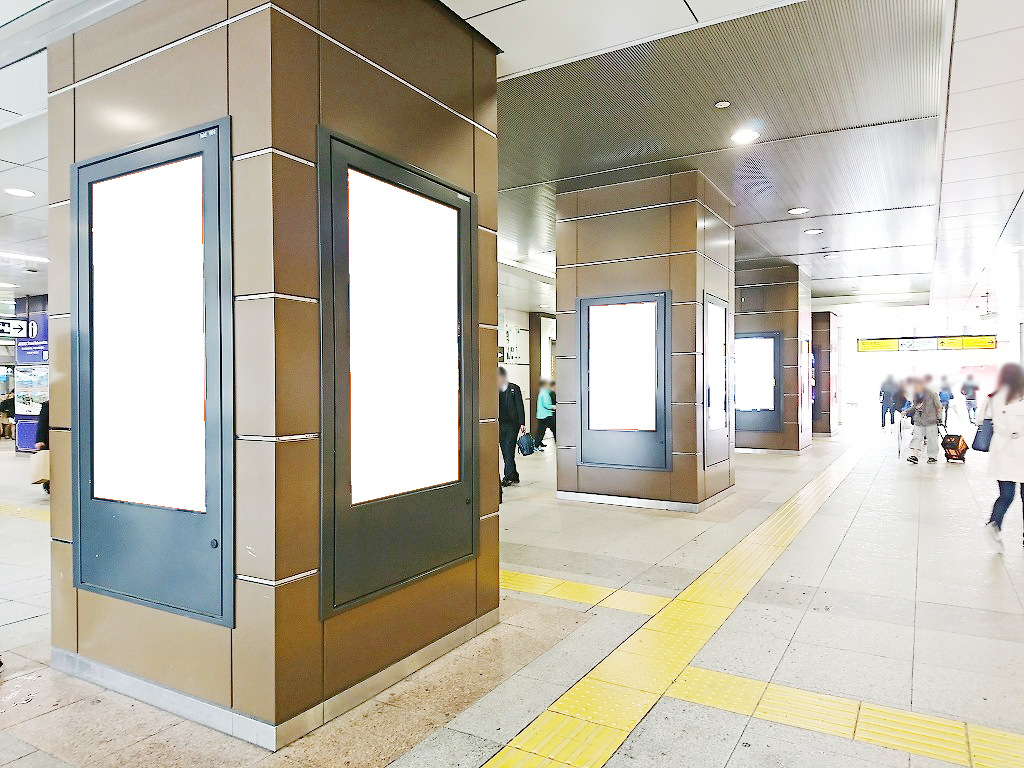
(878, 345)
(926, 343)
(979, 342)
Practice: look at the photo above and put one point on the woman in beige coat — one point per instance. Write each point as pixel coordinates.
(1005, 407)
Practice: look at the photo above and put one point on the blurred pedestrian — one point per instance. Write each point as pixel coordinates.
(1005, 407)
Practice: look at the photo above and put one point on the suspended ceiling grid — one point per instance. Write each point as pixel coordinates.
(846, 94)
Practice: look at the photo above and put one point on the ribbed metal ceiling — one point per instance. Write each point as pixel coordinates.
(845, 94)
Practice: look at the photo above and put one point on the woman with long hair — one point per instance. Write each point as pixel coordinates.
(1005, 407)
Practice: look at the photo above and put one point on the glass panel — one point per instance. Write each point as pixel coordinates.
(715, 367)
(623, 366)
(149, 435)
(403, 339)
(755, 374)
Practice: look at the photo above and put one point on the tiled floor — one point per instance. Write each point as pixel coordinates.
(890, 595)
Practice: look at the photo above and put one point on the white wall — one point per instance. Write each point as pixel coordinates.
(514, 336)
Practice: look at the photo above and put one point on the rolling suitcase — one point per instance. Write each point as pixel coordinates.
(955, 447)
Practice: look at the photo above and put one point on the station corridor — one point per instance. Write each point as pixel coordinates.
(840, 608)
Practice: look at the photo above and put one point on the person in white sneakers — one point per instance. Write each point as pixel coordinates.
(1005, 407)
(926, 412)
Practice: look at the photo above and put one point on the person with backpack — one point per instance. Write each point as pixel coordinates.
(969, 390)
(1005, 407)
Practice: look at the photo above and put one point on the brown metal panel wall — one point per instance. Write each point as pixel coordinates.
(825, 336)
(277, 79)
(651, 235)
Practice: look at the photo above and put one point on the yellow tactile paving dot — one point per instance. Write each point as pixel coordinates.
(635, 602)
(718, 690)
(991, 748)
(925, 735)
(808, 710)
(605, 703)
(527, 582)
(644, 673)
(679, 649)
(510, 757)
(570, 740)
(579, 593)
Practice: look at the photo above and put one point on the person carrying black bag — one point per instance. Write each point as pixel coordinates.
(511, 424)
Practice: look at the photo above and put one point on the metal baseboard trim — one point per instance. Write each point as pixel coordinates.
(628, 501)
(250, 729)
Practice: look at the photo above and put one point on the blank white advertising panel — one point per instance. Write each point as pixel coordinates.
(403, 309)
(755, 374)
(623, 366)
(148, 337)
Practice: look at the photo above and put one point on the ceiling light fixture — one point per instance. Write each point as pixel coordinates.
(814, 231)
(18, 192)
(745, 136)
(798, 211)
(9, 285)
(723, 104)
(24, 257)
(833, 255)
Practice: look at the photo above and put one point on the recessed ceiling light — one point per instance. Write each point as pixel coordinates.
(24, 257)
(745, 136)
(8, 285)
(814, 231)
(799, 211)
(19, 192)
(723, 104)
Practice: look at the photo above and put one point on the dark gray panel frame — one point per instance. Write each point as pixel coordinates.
(172, 560)
(375, 547)
(764, 421)
(716, 442)
(627, 449)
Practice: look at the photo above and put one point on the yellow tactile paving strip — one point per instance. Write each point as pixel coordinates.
(621, 690)
(577, 592)
(938, 738)
(20, 510)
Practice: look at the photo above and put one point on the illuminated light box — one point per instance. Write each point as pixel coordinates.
(759, 382)
(148, 316)
(152, 368)
(417, 266)
(623, 366)
(717, 408)
(623, 358)
(399, 374)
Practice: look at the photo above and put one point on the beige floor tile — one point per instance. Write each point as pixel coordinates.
(38, 693)
(548, 620)
(183, 746)
(371, 735)
(15, 664)
(445, 688)
(94, 727)
(507, 648)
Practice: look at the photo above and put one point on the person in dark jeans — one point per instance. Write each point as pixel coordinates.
(888, 393)
(545, 413)
(1005, 407)
(511, 424)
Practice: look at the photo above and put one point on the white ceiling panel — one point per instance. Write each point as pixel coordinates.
(25, 141)
(535, 34)
(1003, 204)
(984, 17)
(23, 85)
(713, 10)
(16, 229)
(996, 57)
(983, 140)
(996, 164)
(12, 9)
(975, 189)
(971, 109)
(469, 8)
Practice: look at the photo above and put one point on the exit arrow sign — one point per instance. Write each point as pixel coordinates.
(13, 326)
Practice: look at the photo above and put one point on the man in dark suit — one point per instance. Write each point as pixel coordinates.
(511, 424)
